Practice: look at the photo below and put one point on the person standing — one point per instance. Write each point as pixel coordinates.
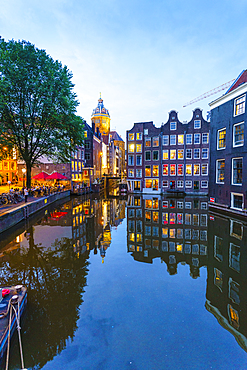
(25, 194)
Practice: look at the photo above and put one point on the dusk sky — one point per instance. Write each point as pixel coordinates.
(145, 57)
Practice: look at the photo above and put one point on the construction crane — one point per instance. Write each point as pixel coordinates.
(211, 92)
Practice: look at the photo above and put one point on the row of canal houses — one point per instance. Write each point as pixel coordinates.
(198, 157)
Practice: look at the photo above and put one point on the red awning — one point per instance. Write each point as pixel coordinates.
(56, 176)
(40, 176)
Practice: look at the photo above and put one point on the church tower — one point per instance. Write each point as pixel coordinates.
(101, 119)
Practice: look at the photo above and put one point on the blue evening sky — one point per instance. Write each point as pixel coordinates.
(145, 57)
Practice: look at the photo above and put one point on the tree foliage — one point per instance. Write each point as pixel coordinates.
(37, 105)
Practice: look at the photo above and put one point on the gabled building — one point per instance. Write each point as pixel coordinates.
(173, 157)
(228, 149)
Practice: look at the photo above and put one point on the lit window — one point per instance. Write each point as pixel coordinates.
(221, 139)
(147, 171)
(85, 134)
(148, 184)
(180, 139)
(165, 154)
(238, 134)
(131, 137)
(239, 105)
(204, 153)
(156, 141)
(197, 124)
(180, 154)
(188, 153)
(196, 153)
(131, 148)
(180, 169)
(148, 141)
(173, 125)
(196, 169)
(156, 171)
(173, 170)
(189, 139)
(131, 173)
(205, 138)
(166, 140)
(197, 138)
(138, 136)
(138, 148)
(173, 140)
(165, 169)
(204, 169)
(237, 171)
(188, 169)
(220, 171)
(173, 154)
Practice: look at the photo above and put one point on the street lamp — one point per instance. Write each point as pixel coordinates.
(23, 177)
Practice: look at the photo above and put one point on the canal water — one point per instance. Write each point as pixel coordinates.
(140, 283)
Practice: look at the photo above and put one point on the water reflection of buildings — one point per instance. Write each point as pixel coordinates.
(174, 230)
(227, 276)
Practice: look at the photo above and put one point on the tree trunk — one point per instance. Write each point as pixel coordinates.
(29, 168)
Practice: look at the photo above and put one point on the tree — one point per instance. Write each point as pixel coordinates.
(37, 105)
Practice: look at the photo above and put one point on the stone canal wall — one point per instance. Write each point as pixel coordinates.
(18, 214)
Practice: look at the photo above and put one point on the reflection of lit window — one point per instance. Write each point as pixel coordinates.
(164, 218)
(165, 204)
(131, 248)
(155, 203)
(172, 233)
(173, 170)
(147, 216)
(139, 248)
(195, 219)
(233, 317)
(164, 232)
(155, 216)
(132, 237)
(172, 218)
(187, 219)
(179, 218)
(165, 169)
(138, 237)
(179, 247)
(236, 229)
(148, 203)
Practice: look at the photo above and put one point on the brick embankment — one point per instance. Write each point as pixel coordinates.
(13, 214)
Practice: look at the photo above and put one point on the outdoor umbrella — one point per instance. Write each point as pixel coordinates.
(56, 176)
(40, 176)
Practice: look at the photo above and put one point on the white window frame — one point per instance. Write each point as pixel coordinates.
(180, 183)
(131, 134)
(204, 184)
(165, 151)
(172, 137)
(138, 173)
(196, 164)
(232, 201)
(188, 184)
(242, 171)
(131, 156)
(165, 183)
(197, 136)
(216, 178)
(173, 125)
(205, 150)
(235, 104)
(197, 150)
(190, 151)
(233, 135)
(139, 155)
(205, 134)
(165, 140)
(206, 166)
(197, 124)
(187, 141)
(131, 171)
(218, 131)
(140, 136)
(145, 131)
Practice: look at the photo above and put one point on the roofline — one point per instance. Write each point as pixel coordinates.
(231, 95)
